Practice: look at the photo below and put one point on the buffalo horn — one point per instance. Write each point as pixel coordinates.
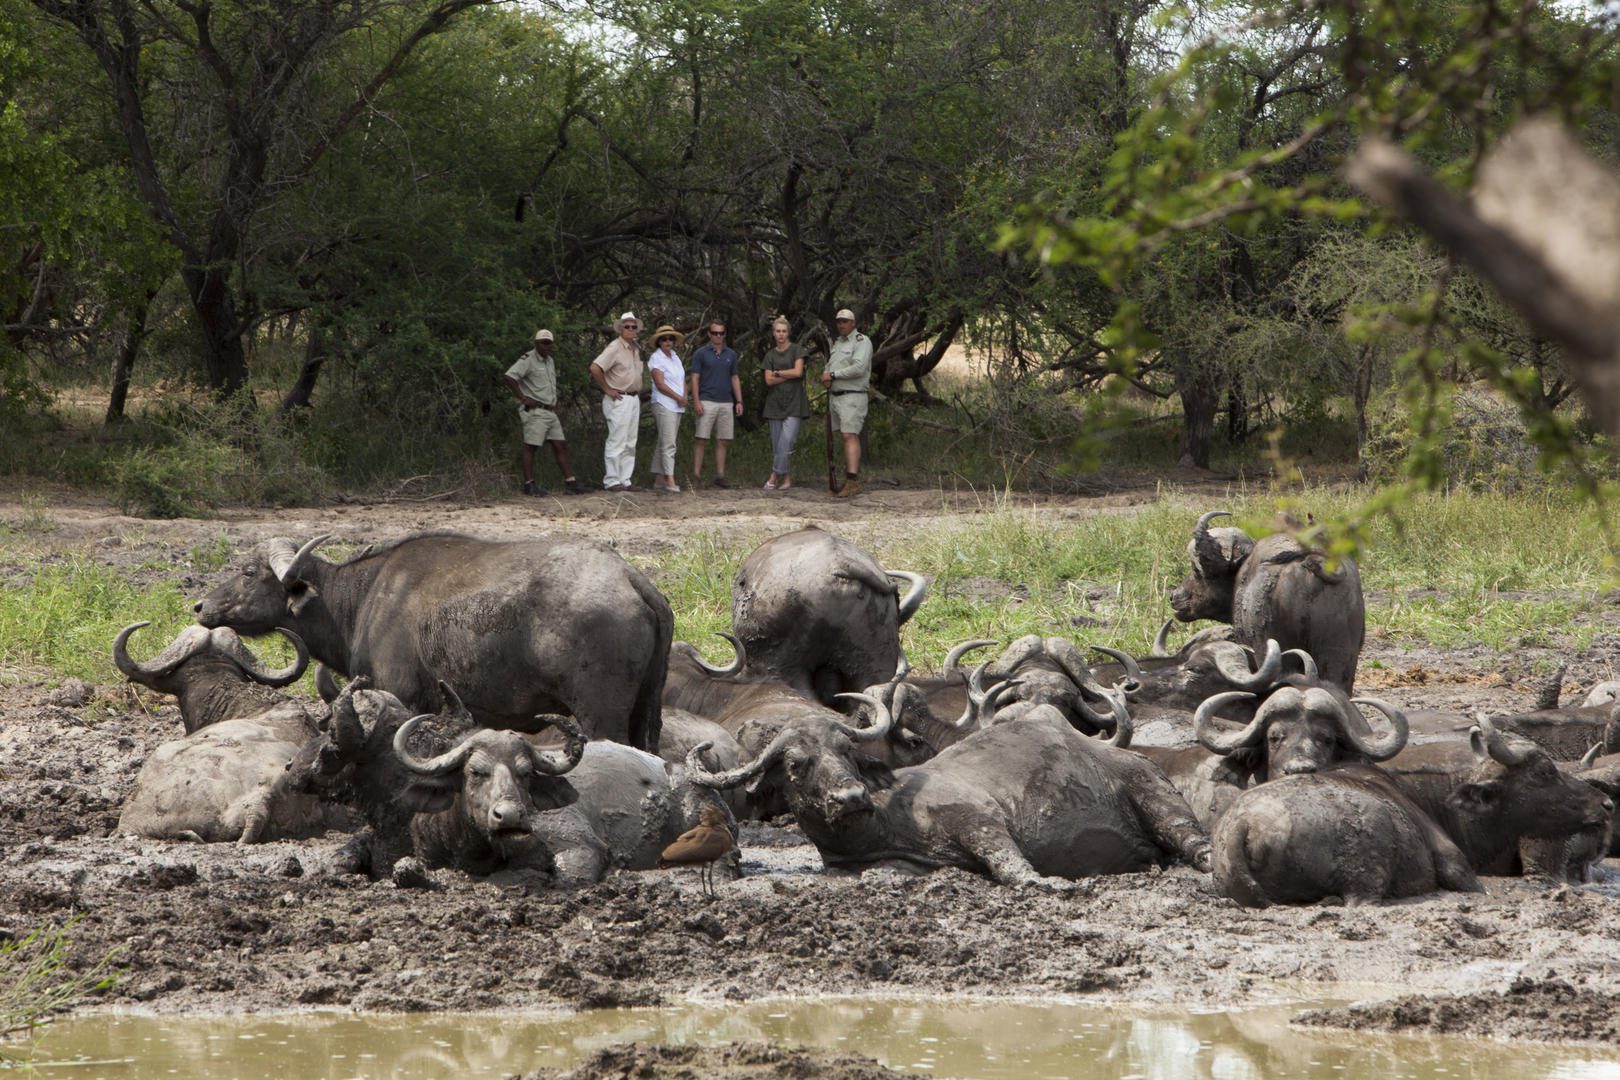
(347, 730)
(738, 657)
(164, 663)
(1216, 741)
(446, 763)
(879, 729)
(1161, 641)
(1387, 747)
(982, 704)
(1307, 663)
(454, 709)
(288, 561)
(1486, 739)
(1132, 682)
(1019, 652)
(1592, 754)
(251, 664)
(554, 764)
(731, 778)
(1211, 560)
(1232, 661)
(1122, 721)
(1073, 664)
(913, 599)
(954, 658)
(326, 683)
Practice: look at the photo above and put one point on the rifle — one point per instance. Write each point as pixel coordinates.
(832, 458)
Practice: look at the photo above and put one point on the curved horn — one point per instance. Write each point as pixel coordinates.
(180, 650)
(1307, 663)
(885, 719)
(545, 761)
(1161, 641)
(1205, 549)
(738, 658)
(454, 709)
(902, 668)
(913, 599)
(1220, 742)
(982, 704)
(1132, 682)
(1391, 744)
(731, 778)
(1232, 661)
(347, 730)
(253, 666)
(1592, 754)
(954, 657)
(326, 683)
(446, 763)
(1122, 722)
(286, 560)
(1496, 744)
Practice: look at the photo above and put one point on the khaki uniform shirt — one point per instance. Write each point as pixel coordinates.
(621, 366)
(849, 362)
(536, 376)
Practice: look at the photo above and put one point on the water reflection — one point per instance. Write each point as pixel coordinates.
(939, 1038)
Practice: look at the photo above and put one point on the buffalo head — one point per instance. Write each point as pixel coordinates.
(1216, 556)
(1301, 727)
(269, 585)
(1516, 790)
(196, 642)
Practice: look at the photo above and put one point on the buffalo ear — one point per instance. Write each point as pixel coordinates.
(1480, 796)
(299, 593)
(424, 796)
(552, 792)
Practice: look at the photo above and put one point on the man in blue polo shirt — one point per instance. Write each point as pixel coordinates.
(716, 393)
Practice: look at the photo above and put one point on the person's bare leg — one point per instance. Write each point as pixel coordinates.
(719, 458)
(698, 447)
(852, 452)
(528, 464)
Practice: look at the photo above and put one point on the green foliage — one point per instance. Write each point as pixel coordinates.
(37, 979)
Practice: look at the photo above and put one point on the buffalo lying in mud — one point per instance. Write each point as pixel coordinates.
(820, 614)
(1275, 588)
(1030, 800)
(1345, 831)
(525, 629)
(1497, 791)
(494, 801)
(227, 779)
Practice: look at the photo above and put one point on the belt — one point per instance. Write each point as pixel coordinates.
(541, 405)
(840, 393)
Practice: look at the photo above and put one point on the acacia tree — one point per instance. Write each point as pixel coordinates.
(222, 109)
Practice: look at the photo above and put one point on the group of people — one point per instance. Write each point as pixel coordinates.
(710, 387)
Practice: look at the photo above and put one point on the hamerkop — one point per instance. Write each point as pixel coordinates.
(701, 847)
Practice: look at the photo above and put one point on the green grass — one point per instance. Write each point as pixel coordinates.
(1501, 571)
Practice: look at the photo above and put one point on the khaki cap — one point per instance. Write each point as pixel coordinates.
(844, 313)
(668, 331)
(543, 335)
(628, 316)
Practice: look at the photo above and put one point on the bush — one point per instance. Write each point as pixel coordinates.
(1487, 446)
(170, 481)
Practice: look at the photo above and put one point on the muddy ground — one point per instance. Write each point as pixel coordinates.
(223, 928)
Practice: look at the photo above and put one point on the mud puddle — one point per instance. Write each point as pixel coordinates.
(990, 1039)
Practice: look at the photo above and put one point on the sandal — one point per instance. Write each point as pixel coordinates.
(770, 485)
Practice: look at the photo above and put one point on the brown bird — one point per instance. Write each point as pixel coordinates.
(701, 847)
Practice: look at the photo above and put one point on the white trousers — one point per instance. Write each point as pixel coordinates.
(619, 454)
(669, 428)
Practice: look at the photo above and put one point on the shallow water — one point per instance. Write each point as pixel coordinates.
(941, 1038)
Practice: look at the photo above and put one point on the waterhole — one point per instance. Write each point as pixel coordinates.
(928, 1038)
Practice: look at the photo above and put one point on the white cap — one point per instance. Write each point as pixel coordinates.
(628, 316)
(543, 335)
(844, 313)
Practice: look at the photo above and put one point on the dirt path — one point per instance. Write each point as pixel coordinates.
(217, 927)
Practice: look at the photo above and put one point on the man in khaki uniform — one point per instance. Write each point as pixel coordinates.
(617, 373)
(533, 381)
(847, 376)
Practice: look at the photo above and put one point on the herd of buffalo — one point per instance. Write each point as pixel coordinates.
(520, 710)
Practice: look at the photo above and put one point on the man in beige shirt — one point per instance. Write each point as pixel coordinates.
(533, 381)
(617, 373)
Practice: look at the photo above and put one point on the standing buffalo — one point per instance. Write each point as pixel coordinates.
(821, 614)
(228, 778)
(1275, 589)
(523, 629)
(1025, 801)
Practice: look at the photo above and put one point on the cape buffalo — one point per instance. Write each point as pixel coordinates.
(227, 779)
(1029, 800)
(523, 629)
(819, 613)
(1343, 831)
(1275, 589)
(1300, 727)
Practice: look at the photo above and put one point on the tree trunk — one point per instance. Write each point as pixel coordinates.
(314, 356)
(125, 362)
(1361, 393)
(1200, 400)
(1237, 413)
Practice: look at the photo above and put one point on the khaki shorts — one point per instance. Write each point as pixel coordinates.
(716, 420)
(848, 413)
(541, 425)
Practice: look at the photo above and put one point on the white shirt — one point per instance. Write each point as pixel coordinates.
(674, 376)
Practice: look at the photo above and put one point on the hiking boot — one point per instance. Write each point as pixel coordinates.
(574, 487)
(531, 488)
(850, 488)
(722, 482)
